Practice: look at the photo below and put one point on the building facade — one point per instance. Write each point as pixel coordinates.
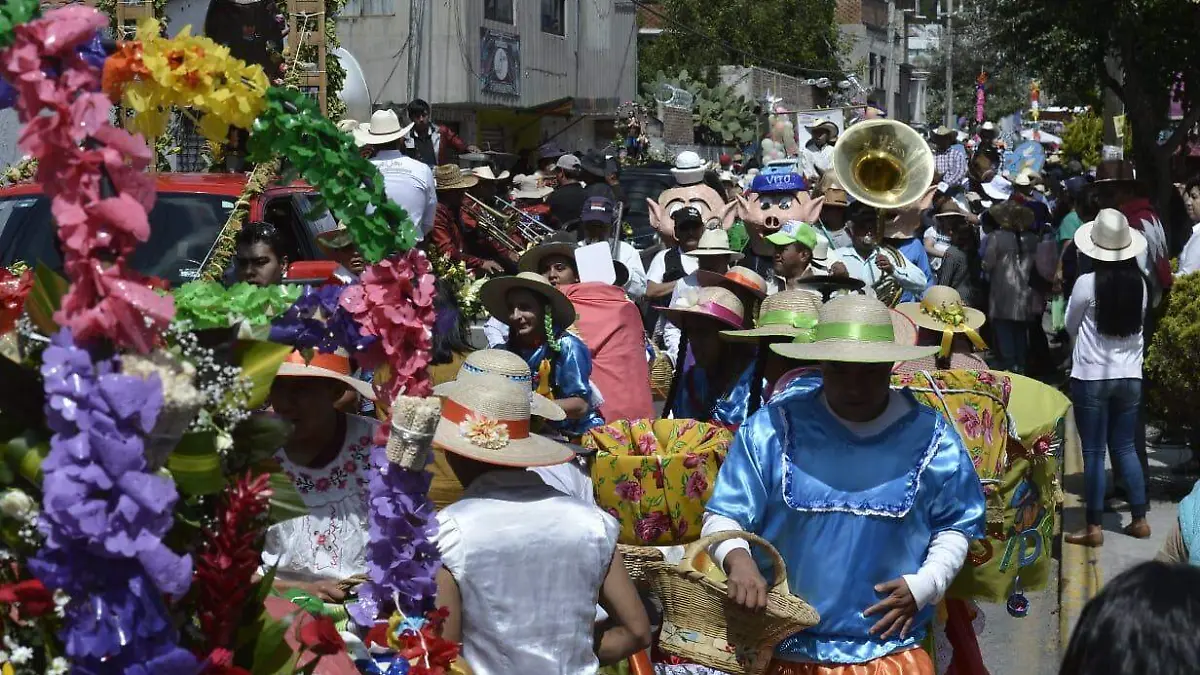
(506, 74)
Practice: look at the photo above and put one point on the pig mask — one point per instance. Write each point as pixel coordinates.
(774, 200)
(713, 209)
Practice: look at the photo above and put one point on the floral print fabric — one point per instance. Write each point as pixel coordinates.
(655, 476)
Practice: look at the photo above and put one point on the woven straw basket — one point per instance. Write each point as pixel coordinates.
(701, 624)
(662, 371)
(641, 562)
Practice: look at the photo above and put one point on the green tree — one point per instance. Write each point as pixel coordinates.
(1007, 88)
(1155, 45)
(789, 36)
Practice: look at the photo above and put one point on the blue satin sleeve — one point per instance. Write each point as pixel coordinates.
(572, 368)
(741, 491)
(959, 504)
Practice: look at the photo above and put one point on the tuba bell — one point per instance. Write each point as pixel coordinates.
(885, 164)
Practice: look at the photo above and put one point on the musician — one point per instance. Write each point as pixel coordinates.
(530, 197)
(407, 182)
(794, 245)
(566, 202)
(596, 222)
(449, 236)
(433, 144)
(884, 270)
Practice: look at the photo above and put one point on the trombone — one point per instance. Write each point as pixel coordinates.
(531, 229)
(492, 223)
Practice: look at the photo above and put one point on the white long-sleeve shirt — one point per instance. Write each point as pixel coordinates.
(910, 277)
(1189, 259)
(1096, 356)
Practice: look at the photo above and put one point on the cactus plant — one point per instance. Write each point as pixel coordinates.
(720, 116)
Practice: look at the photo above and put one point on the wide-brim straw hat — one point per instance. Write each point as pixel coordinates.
(494, 296)
(818, 124)
(509, 366)
(904, 329)
(854, 329)
(1109, 238)
(334, 366)
(737, 279)
(714, 303)
(487, 419)
(787, 314)
(942, 308)
(384, 127)
(453, 177)
(1012, 216)
(485, 173)
(715, 242)
(532, 259)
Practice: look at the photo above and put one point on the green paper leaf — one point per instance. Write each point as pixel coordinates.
(23, 457)
(260, 362)
(272, 655)
(257, 437)
(285, 500)
(196, 465)
(45, 297)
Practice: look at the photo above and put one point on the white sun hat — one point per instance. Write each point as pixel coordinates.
(689, 168)
(487, 418)
(1109, 238)
(384, 127)
(508, 365)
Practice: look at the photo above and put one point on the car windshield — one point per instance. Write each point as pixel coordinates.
(183, 227)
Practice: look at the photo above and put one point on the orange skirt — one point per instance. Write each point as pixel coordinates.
(909, 662)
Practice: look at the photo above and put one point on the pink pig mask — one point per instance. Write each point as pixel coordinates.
(764, 213)
(713, 209)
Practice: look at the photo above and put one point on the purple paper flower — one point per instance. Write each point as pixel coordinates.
(402, 560)
(317, 321)
(91, 51)
(104, 517)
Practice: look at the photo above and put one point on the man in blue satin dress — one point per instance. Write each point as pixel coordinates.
(871, 498)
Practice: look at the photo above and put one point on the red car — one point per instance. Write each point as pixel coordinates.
(188, 214)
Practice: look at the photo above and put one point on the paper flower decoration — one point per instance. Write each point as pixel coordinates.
(13, 289)
(317, 321)
(208, 304)
(186, 71)
(484, 433)
(292, 126)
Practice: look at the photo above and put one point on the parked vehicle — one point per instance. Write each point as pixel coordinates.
(639, 184)
(189, 212)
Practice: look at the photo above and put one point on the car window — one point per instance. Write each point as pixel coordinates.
(183, 228)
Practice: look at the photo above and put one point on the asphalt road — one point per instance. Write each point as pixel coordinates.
(1024, 646)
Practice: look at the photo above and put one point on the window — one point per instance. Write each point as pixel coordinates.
(871, 69)
(554, 15)
(498, 10)
(369, 8)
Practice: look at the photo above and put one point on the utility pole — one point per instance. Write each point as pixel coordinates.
(892, 63)
(948, 45)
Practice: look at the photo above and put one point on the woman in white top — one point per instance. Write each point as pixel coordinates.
(1104, 317)
(523, 565)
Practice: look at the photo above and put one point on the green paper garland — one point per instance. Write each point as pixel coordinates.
(208, 304)
(328, 159)
(13, 13)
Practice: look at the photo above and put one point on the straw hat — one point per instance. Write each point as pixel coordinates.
(485, 173)
(714, 302)
(384, 127)
(507, 365)
(944, 131)
(1109, 238)
(905, 330)
(831, 189)
(715, 242)
(453, 177)
(942, 308)
(494, 296)
(736, 279)
(528, 187)
(531, 260)
(825, 124)
(1012, 216)
(854, 329)
(334, 366)
(787, 314)
(487, 418)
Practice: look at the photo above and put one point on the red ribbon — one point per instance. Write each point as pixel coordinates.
(453, 412)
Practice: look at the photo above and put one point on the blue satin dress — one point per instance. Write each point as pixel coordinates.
(693, 396)
(804, 384)
(847, 513)
(571, 369)
(731, 408)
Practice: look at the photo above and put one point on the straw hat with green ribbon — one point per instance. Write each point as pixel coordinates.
(787, 314)
(942, 310)
(853, 329)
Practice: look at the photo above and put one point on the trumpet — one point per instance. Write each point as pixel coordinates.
(530, 228)
(505, 229)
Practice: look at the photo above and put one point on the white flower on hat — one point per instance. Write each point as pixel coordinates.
(483, 432)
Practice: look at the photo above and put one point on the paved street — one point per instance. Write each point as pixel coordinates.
(1026, 646)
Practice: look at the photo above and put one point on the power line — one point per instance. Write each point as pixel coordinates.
(755, 58)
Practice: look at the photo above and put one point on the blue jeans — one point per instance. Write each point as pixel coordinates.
(1012, 343)
(1106, 412)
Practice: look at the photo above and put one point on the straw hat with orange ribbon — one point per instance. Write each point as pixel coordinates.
(714, 303)
(787, 314)
(499, 362)
(487, 419)
(853, 329)
(942, 310)
(736, 279)
(334, 366)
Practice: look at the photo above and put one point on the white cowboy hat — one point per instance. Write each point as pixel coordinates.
(485, 173)
(334, 366)
(529, 187)
(820, 252)
(854, 329)
(494, 296)
(999, 188)
(487, 418)
(384, 127)
(689, 168)
(508, 365)
(1109, 238)
(715, 242)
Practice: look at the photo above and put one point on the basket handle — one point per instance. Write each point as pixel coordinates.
(688, 563)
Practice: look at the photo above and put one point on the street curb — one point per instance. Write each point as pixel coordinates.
(1080, 572)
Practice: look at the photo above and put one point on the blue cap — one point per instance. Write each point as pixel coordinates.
(780, 182)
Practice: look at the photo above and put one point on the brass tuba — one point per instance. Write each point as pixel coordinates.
(885, 164)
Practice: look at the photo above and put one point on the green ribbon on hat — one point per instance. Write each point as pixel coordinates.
(786, 318)
(854, 331)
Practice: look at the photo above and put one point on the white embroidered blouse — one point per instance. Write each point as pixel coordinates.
(331, 541)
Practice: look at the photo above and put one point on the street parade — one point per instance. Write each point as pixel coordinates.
(621, 337)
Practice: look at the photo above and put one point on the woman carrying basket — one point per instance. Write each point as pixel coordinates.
(870, 498)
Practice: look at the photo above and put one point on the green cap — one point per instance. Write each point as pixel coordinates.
(795, 231)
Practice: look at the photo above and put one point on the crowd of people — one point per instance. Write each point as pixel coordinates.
(790, 340)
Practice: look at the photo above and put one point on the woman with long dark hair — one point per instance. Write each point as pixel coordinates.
(451, 337)
(1104, 317)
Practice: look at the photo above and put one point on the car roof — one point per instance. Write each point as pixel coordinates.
(226, 184)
